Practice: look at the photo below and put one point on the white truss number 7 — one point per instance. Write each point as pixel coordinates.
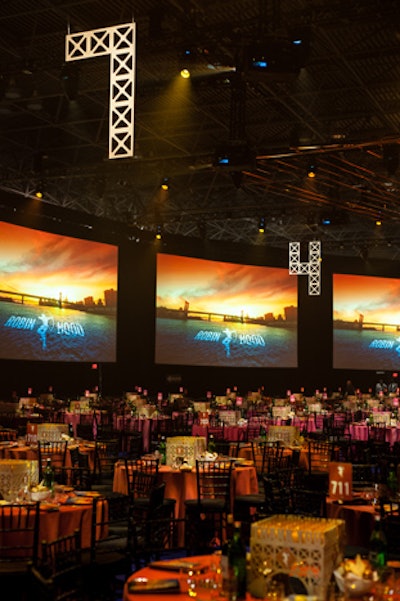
(119, 42)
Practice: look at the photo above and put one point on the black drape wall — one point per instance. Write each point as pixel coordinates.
(136, 319)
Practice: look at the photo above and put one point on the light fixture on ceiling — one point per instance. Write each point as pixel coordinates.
(261, 225)
(311, 170)
(165, 184)
(39, 191)
(185, 73)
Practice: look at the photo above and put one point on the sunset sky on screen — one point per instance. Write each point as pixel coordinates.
(223, 287)
(40, 263)
(376, 298)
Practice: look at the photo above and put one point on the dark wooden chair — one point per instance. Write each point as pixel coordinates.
(206, 516)
(19, 544)
(56, 451)
(57, 575)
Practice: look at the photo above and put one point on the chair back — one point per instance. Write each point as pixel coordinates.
(265, 454)
(109, 532)
(58, 573)
(106, 454)
(214, 480)
(19, 532)
(56, 451)
(8, 434)
(131, 444)
(306, 502)
(319, 454)
(141, 478)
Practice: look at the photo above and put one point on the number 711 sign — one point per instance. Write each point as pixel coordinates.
(340, 481)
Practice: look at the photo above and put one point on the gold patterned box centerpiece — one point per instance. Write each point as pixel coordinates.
(189, 448)
(304, 548)
(17, 475)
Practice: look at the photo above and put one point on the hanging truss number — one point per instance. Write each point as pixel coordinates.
(119, 43)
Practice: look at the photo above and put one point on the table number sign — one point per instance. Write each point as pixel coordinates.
(31, 433)
(340, 481)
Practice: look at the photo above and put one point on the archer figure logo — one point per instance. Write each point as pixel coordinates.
(43, 329)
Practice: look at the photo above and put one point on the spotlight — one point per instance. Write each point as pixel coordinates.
(38, 192)
(261, 225)
(236, 155)
(159, 232)
(165, 184)
(378, 221)
(185, 73)
(311, 170)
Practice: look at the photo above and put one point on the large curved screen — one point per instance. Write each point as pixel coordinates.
(224, 314)
(366, 322)
(58, 297)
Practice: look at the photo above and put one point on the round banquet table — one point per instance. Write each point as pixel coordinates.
(359, 521)
(24, 451)
(181, 485)
(205, 594)
(360, 432)
(60, 518)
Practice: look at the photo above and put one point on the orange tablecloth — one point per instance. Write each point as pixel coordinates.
(359, 521)
(65, 520)
(30, 452)
(181, 485)
(152, 574)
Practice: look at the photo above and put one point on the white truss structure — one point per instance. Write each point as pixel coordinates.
(312, 268)
(119, 42)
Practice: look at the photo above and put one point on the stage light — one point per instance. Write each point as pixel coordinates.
(235, 155)
(378, 221)
(261, 225)
(311, 170)
(159, 232)
(165, 184)
(38, 192)
(185, 73)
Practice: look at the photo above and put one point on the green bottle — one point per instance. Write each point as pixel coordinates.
(211, 444)
(48, 475)
(377, 546)
(162, 447)
(237, 565)
(392, 481)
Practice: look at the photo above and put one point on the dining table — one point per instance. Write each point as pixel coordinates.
(202, 582)
(182, 484)
(360, 431)
(63, 512)
(20, 449)
(358, 513)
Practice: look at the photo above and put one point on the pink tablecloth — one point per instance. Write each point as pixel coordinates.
(360, 432)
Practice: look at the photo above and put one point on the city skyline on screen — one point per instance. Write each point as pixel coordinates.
(224, 314)
(210, 286)
(50, 265)
(366, 322)
(58, 296)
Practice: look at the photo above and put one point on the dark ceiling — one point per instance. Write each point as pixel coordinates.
(335, 103)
